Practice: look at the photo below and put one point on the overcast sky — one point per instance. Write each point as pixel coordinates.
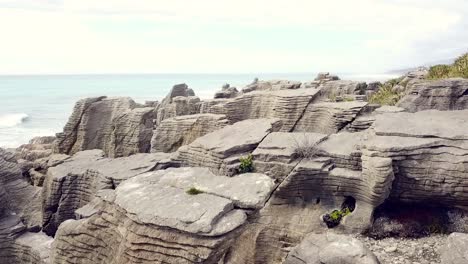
(224, 36)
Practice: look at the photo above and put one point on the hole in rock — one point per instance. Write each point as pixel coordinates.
(317, 201)
(465, 93)
(349, 203)
(414, 220)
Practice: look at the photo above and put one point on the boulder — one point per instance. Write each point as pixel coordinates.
(155, 213)
(331, 248)
(444, 94)
(118, 126)
(175, 132)
(75, 182)
(220, 150)
(454, 250)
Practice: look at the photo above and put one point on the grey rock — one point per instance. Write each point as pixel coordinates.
(153, 212)
(272, 85)
(226, 92)
(445, 94)
(331, 248)
(286, 105)
(115, 125)
(328, 117)
(175, 132)
(278, 153)
(73, 183)
(220, 150)
(249, 190)
(454, 250)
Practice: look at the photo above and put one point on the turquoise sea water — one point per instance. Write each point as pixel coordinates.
(39, 105)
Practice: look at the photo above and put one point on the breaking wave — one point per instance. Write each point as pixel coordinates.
(12, 120)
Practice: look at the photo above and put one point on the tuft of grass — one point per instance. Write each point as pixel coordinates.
(348, 99)
(194, 191)
(246, 164)
(304, 147)
(458, 69)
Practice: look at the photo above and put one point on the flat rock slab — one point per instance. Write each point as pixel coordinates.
(330, 248)
(161, 198)
(248, 190)
(431, 123)
(239, 136)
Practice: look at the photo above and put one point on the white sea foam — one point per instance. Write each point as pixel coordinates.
(12, 120)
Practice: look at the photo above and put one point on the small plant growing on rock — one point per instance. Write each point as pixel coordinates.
(246, 164)
(194, 191)
(304, 147)
(333, 219)
(459, 68)
(386, 95)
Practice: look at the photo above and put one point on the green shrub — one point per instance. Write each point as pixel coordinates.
(458, 69)
(386, 95)
(194, 191)
(246, 164)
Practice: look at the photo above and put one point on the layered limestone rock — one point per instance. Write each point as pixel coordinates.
(38, 147)
(328, 117)
(340, 88)
(444, 94)
(17, 196)
(226, 92)
(428, 152)
(280, 152)
(175, 132)
(118, 126)
(31, 248)
(366, 119)
(181, 100)
(220, 150)
(152, 218)
(330, 249)
(272, 85)
(74, 183)
(286, 105)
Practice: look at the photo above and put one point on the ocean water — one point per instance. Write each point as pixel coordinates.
(39, 105)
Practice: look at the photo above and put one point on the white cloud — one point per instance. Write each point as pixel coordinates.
(56, 36)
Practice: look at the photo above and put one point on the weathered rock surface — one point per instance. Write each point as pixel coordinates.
(17, 197)
(226, 92)
(454, 251)
(330, 249)
(445, 94)
(181, 100)
(33, 248)
(272, 85)
(328, 117)
(38, 147)
(365, 120)
(74, 183)
(278, 154)
(118, 126)
(152, 219)
(175, 132)
(428, 152)
(220, 150)
(286, 105)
